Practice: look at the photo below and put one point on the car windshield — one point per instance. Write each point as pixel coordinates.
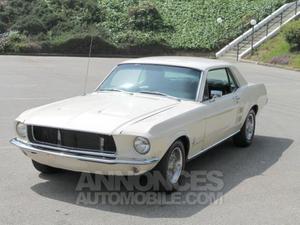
(171, 81)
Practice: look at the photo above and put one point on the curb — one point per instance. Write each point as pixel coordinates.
(269, 65)
(177, 53)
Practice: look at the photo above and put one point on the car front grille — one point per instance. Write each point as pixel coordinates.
(71, 139)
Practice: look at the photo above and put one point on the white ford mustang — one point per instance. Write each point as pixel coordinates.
(156, 112)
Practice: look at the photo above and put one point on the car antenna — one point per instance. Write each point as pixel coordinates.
(88, 66)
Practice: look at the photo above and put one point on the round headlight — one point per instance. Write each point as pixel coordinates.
(21, 130)
(141, 145)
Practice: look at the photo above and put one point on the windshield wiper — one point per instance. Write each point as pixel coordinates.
(115, 89)
(159, 93)
(111, 89)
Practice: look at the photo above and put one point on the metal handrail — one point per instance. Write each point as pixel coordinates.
(271, 34)
(265, 26)
(272, 19)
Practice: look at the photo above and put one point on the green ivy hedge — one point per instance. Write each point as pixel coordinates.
(126, 26)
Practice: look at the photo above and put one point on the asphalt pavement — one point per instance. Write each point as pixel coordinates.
(261, 183)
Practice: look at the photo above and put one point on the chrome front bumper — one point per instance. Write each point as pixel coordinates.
(84, 161)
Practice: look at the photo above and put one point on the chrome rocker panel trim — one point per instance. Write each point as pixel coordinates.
(210, 147)
(74, 154)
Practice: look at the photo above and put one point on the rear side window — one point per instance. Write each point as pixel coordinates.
(232, 81)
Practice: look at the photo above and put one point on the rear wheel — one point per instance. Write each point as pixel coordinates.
(172, 165)
(245, 137)
(44, 168)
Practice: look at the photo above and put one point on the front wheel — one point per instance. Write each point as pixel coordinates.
(172, 165)
(245, 137)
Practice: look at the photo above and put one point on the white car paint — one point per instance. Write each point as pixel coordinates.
(162, 120)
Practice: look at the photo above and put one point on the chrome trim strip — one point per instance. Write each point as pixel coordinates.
(199, 86)
(30, 148)
(208, 148)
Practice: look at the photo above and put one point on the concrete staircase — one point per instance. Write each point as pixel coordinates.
(261, 32)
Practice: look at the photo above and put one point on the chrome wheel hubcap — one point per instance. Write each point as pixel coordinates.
(175, 164)
(250, 127)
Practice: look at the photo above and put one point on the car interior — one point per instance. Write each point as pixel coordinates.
(175, 85)
(219, 82)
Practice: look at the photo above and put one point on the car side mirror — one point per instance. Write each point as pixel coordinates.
(215, 94)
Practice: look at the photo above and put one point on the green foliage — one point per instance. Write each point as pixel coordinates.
(78, 44)
(15, 42)
(2, 27)
(130, 25)
(30, 25)
(145, 17)
(34, 16)
(292, 34)
(278, 51)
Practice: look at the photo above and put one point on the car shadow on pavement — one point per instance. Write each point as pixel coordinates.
(236, 165)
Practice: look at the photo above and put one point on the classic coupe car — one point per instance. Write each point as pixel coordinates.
(148, 113)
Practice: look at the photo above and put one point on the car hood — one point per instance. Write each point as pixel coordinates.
(103, 112)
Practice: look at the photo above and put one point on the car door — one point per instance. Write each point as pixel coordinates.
(222, 104)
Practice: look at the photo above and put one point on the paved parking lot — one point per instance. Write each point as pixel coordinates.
(262, 183)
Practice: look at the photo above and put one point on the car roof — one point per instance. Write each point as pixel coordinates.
(190, 62)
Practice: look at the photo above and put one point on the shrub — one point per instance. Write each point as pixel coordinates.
(78, 11)
(15, 36)
(145, 16)
(281, 60)
(2, 27)
(69, 43)
(30, 25)
(3, 42)
(14, 42)
(29, 47)
(93, 13)
(292, 34)
(140, 24)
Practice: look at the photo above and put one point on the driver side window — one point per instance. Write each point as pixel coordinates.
(219, 82)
